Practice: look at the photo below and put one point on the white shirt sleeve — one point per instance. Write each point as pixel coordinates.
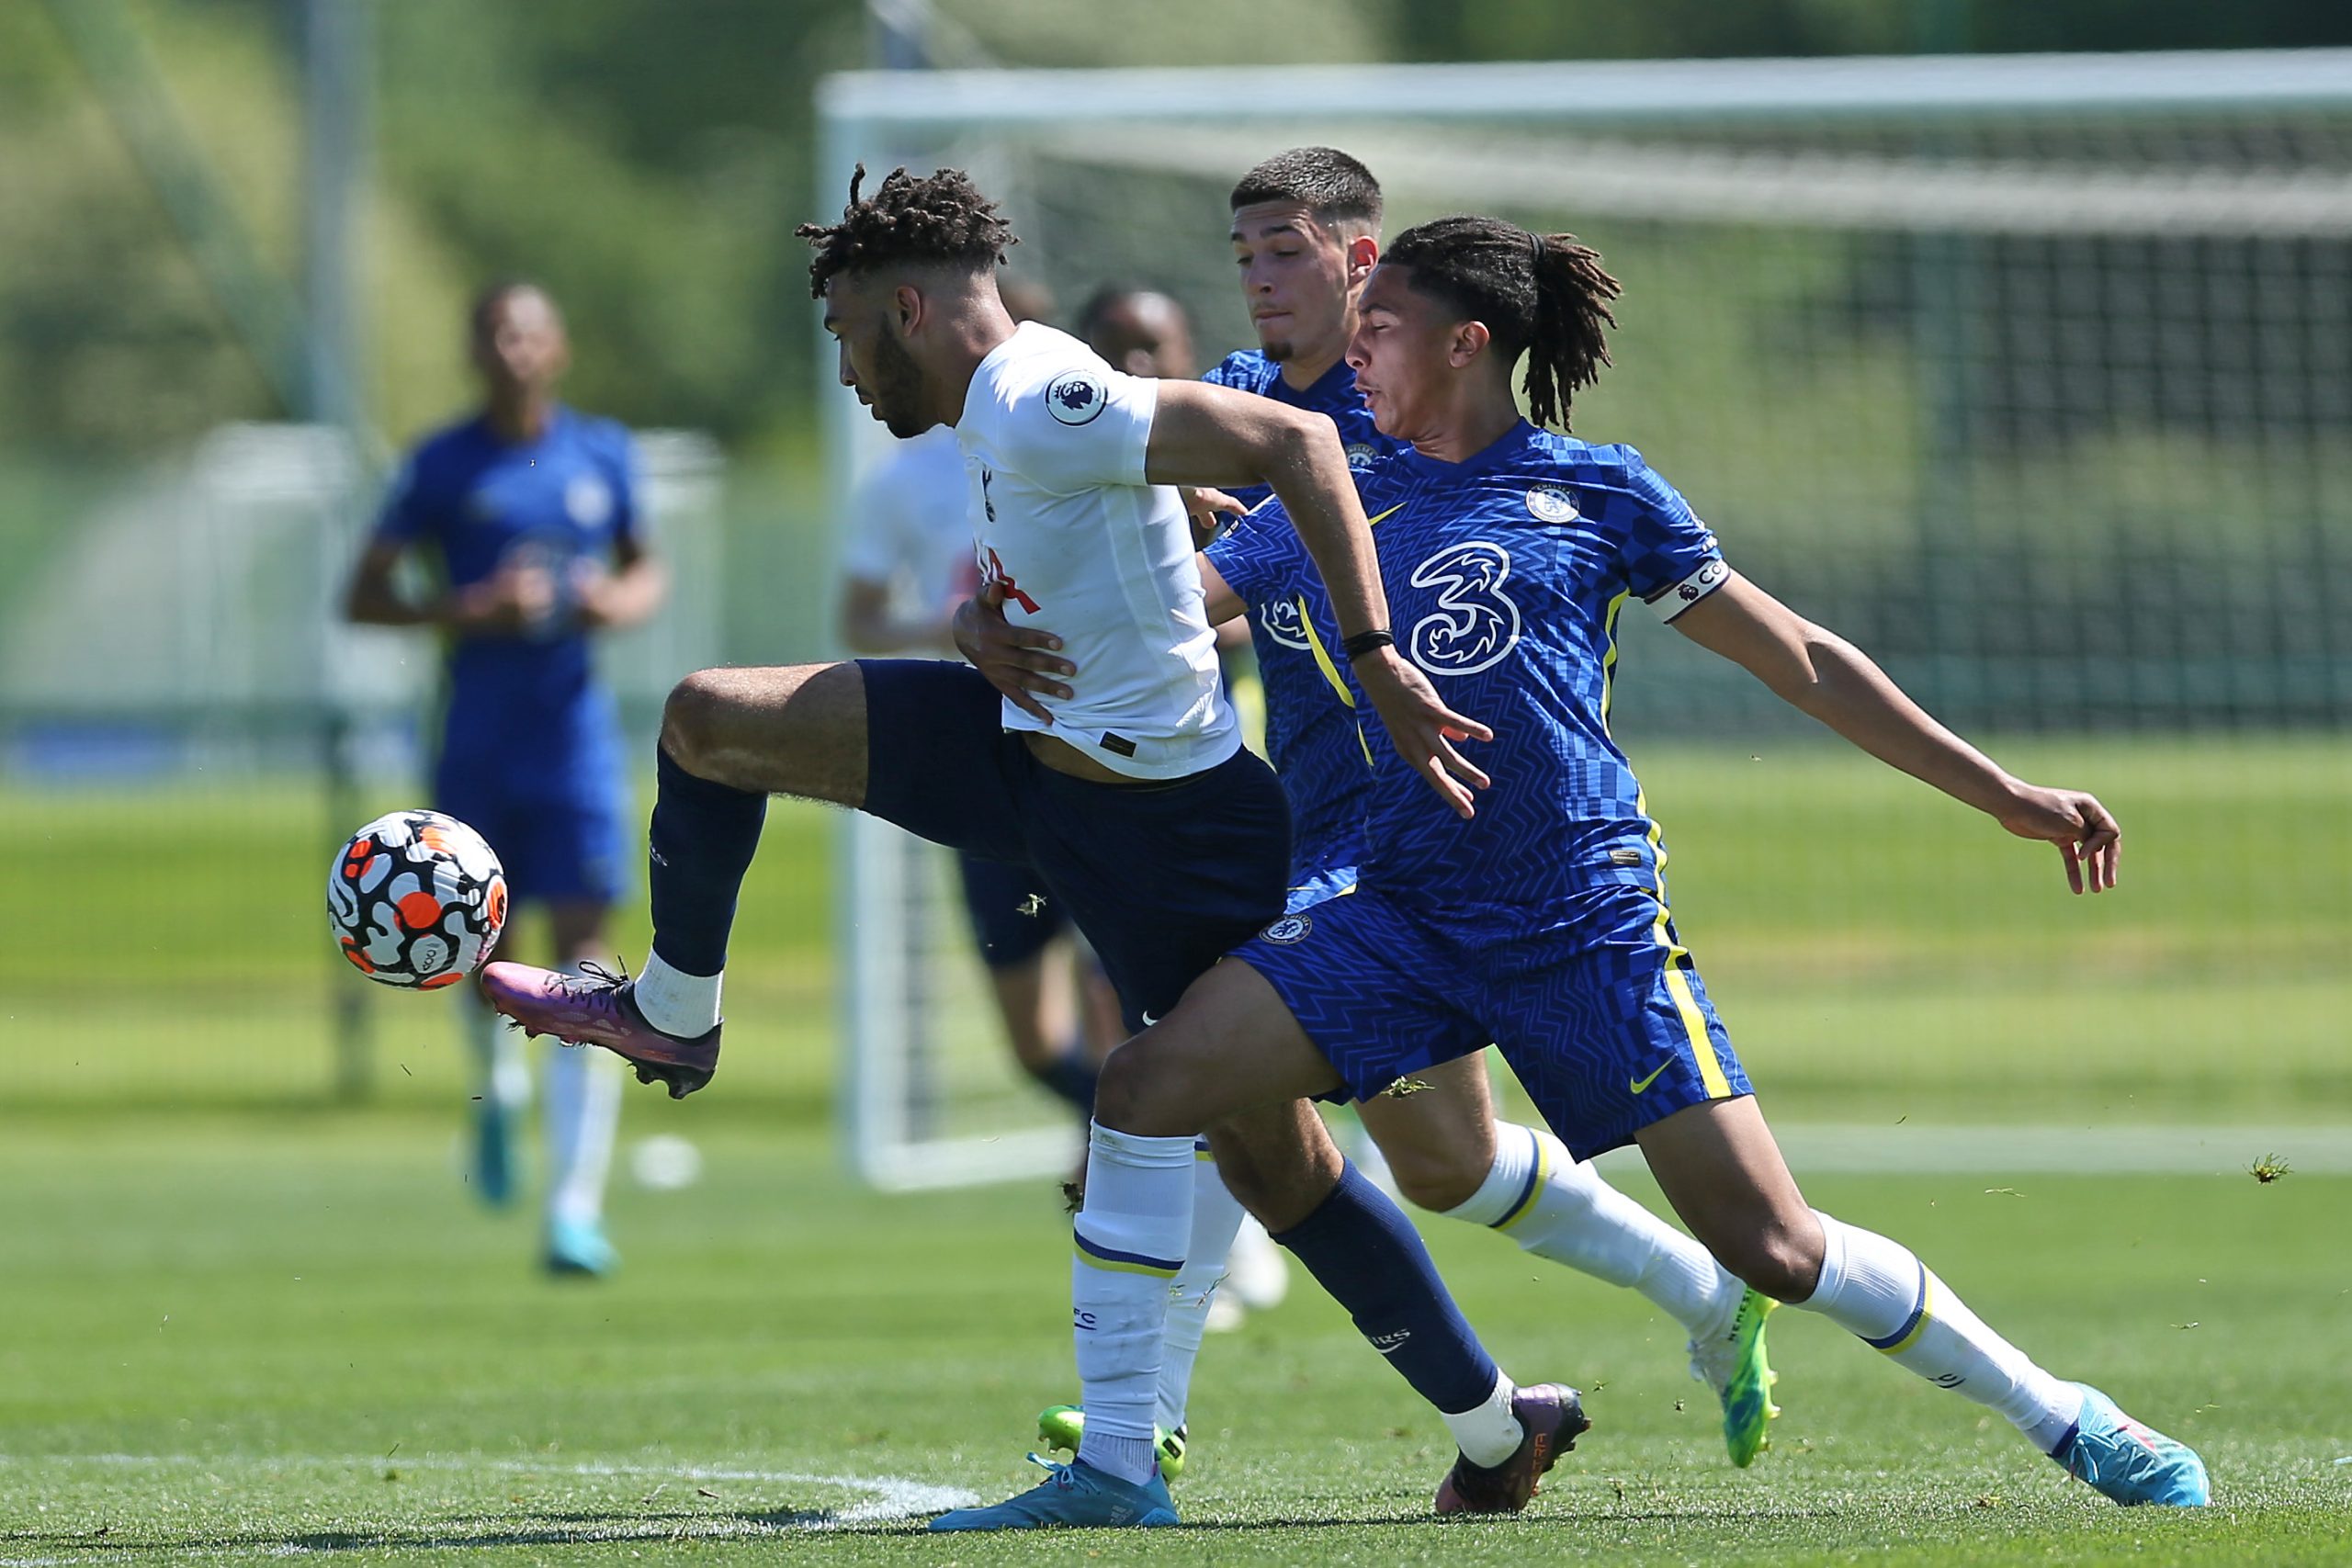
(1085, 426)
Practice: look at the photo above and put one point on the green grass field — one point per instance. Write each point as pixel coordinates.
(245, 1322)
(234, 1338)
(1877, 951)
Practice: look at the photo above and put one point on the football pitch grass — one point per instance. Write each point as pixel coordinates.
(242, 1322)
(1877, 951)
(259, 1337)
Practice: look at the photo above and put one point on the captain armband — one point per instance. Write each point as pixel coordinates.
(1673, 600)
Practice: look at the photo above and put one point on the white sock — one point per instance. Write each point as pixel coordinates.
(1129, 1240)
(1488, 1433)
(581, 1112)
(676, 1002)
(1877, 1289)
(1556, 1207)
(1216, 1220)
(501, 1073)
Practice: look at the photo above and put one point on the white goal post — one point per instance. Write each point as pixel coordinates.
(2011, 284)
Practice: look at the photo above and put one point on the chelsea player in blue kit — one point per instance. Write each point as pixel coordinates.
(1538, 919)
(529, 514)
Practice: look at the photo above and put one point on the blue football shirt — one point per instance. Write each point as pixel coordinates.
(1313, 719)
(1504, 577)
(524, 704)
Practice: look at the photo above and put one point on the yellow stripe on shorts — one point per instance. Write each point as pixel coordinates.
(1678, 983)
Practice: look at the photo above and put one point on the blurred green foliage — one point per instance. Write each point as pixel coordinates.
(647, 161)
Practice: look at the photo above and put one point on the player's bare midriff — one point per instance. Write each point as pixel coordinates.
(1065, 758)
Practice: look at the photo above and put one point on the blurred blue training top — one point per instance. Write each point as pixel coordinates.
(523, 703)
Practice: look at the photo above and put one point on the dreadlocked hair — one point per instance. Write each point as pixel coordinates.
(1545, 296)
(940, 220)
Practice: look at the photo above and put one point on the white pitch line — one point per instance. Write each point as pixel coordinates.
(1926, 1150)
(892, 1498)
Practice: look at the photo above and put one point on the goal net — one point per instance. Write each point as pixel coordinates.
(2031, 373)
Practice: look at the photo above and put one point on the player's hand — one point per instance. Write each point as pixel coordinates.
(512, 599)
(1210, 509)
(591, 596)
(2084, 831)
(1423, 728)
(1017, 660)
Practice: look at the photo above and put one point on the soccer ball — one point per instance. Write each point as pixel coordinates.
(416, 900)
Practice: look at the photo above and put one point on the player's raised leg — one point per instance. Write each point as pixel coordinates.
(1450, 1154)
(1721, 1169)
(729, 739)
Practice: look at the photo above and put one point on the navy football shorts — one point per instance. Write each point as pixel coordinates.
(1601, 1015)
(1162, 877)
(1013, 915)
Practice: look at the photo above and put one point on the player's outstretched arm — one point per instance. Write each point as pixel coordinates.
(1822, 674)
(1203, 434)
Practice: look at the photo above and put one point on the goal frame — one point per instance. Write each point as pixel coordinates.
(862, 115)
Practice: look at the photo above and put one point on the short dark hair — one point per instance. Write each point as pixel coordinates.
(1102, 302)
(488, 298)
(939, 220)
(1332, 187)
(1545, 296)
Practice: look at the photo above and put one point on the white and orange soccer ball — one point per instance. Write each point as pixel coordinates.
(417, 899)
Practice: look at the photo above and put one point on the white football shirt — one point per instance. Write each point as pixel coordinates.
(908, 530)
(1054, 442)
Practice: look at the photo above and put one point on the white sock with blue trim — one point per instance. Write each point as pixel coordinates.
(1557, 1207)
(502, 1071)
(1216, 1220)
(1878, 1291)
(579, 1115)
(1129, 1240)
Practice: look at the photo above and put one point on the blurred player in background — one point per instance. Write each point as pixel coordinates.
(907, 566)
(527, 513)
(1139, 331)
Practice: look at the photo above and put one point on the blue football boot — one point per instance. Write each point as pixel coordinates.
(577, 1249)
(2131, 1464)
(494, 1152)
(1072, 1497)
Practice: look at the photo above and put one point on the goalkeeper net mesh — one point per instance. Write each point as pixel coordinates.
(2032, 374)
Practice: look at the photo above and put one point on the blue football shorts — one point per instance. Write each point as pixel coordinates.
(563, 844)
(1599, 1013)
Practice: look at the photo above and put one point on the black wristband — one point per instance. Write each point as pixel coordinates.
(1356, 647)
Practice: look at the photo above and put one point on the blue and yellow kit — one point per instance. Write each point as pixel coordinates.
(1541, 924)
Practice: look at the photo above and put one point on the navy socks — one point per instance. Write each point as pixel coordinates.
(1364, 1252)
(1072, 1076)
(703, 839)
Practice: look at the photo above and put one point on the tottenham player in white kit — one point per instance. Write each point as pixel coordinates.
(1132, 799)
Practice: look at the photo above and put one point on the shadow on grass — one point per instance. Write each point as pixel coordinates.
(609, 1527)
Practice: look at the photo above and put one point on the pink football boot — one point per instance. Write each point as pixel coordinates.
(597, 1009)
